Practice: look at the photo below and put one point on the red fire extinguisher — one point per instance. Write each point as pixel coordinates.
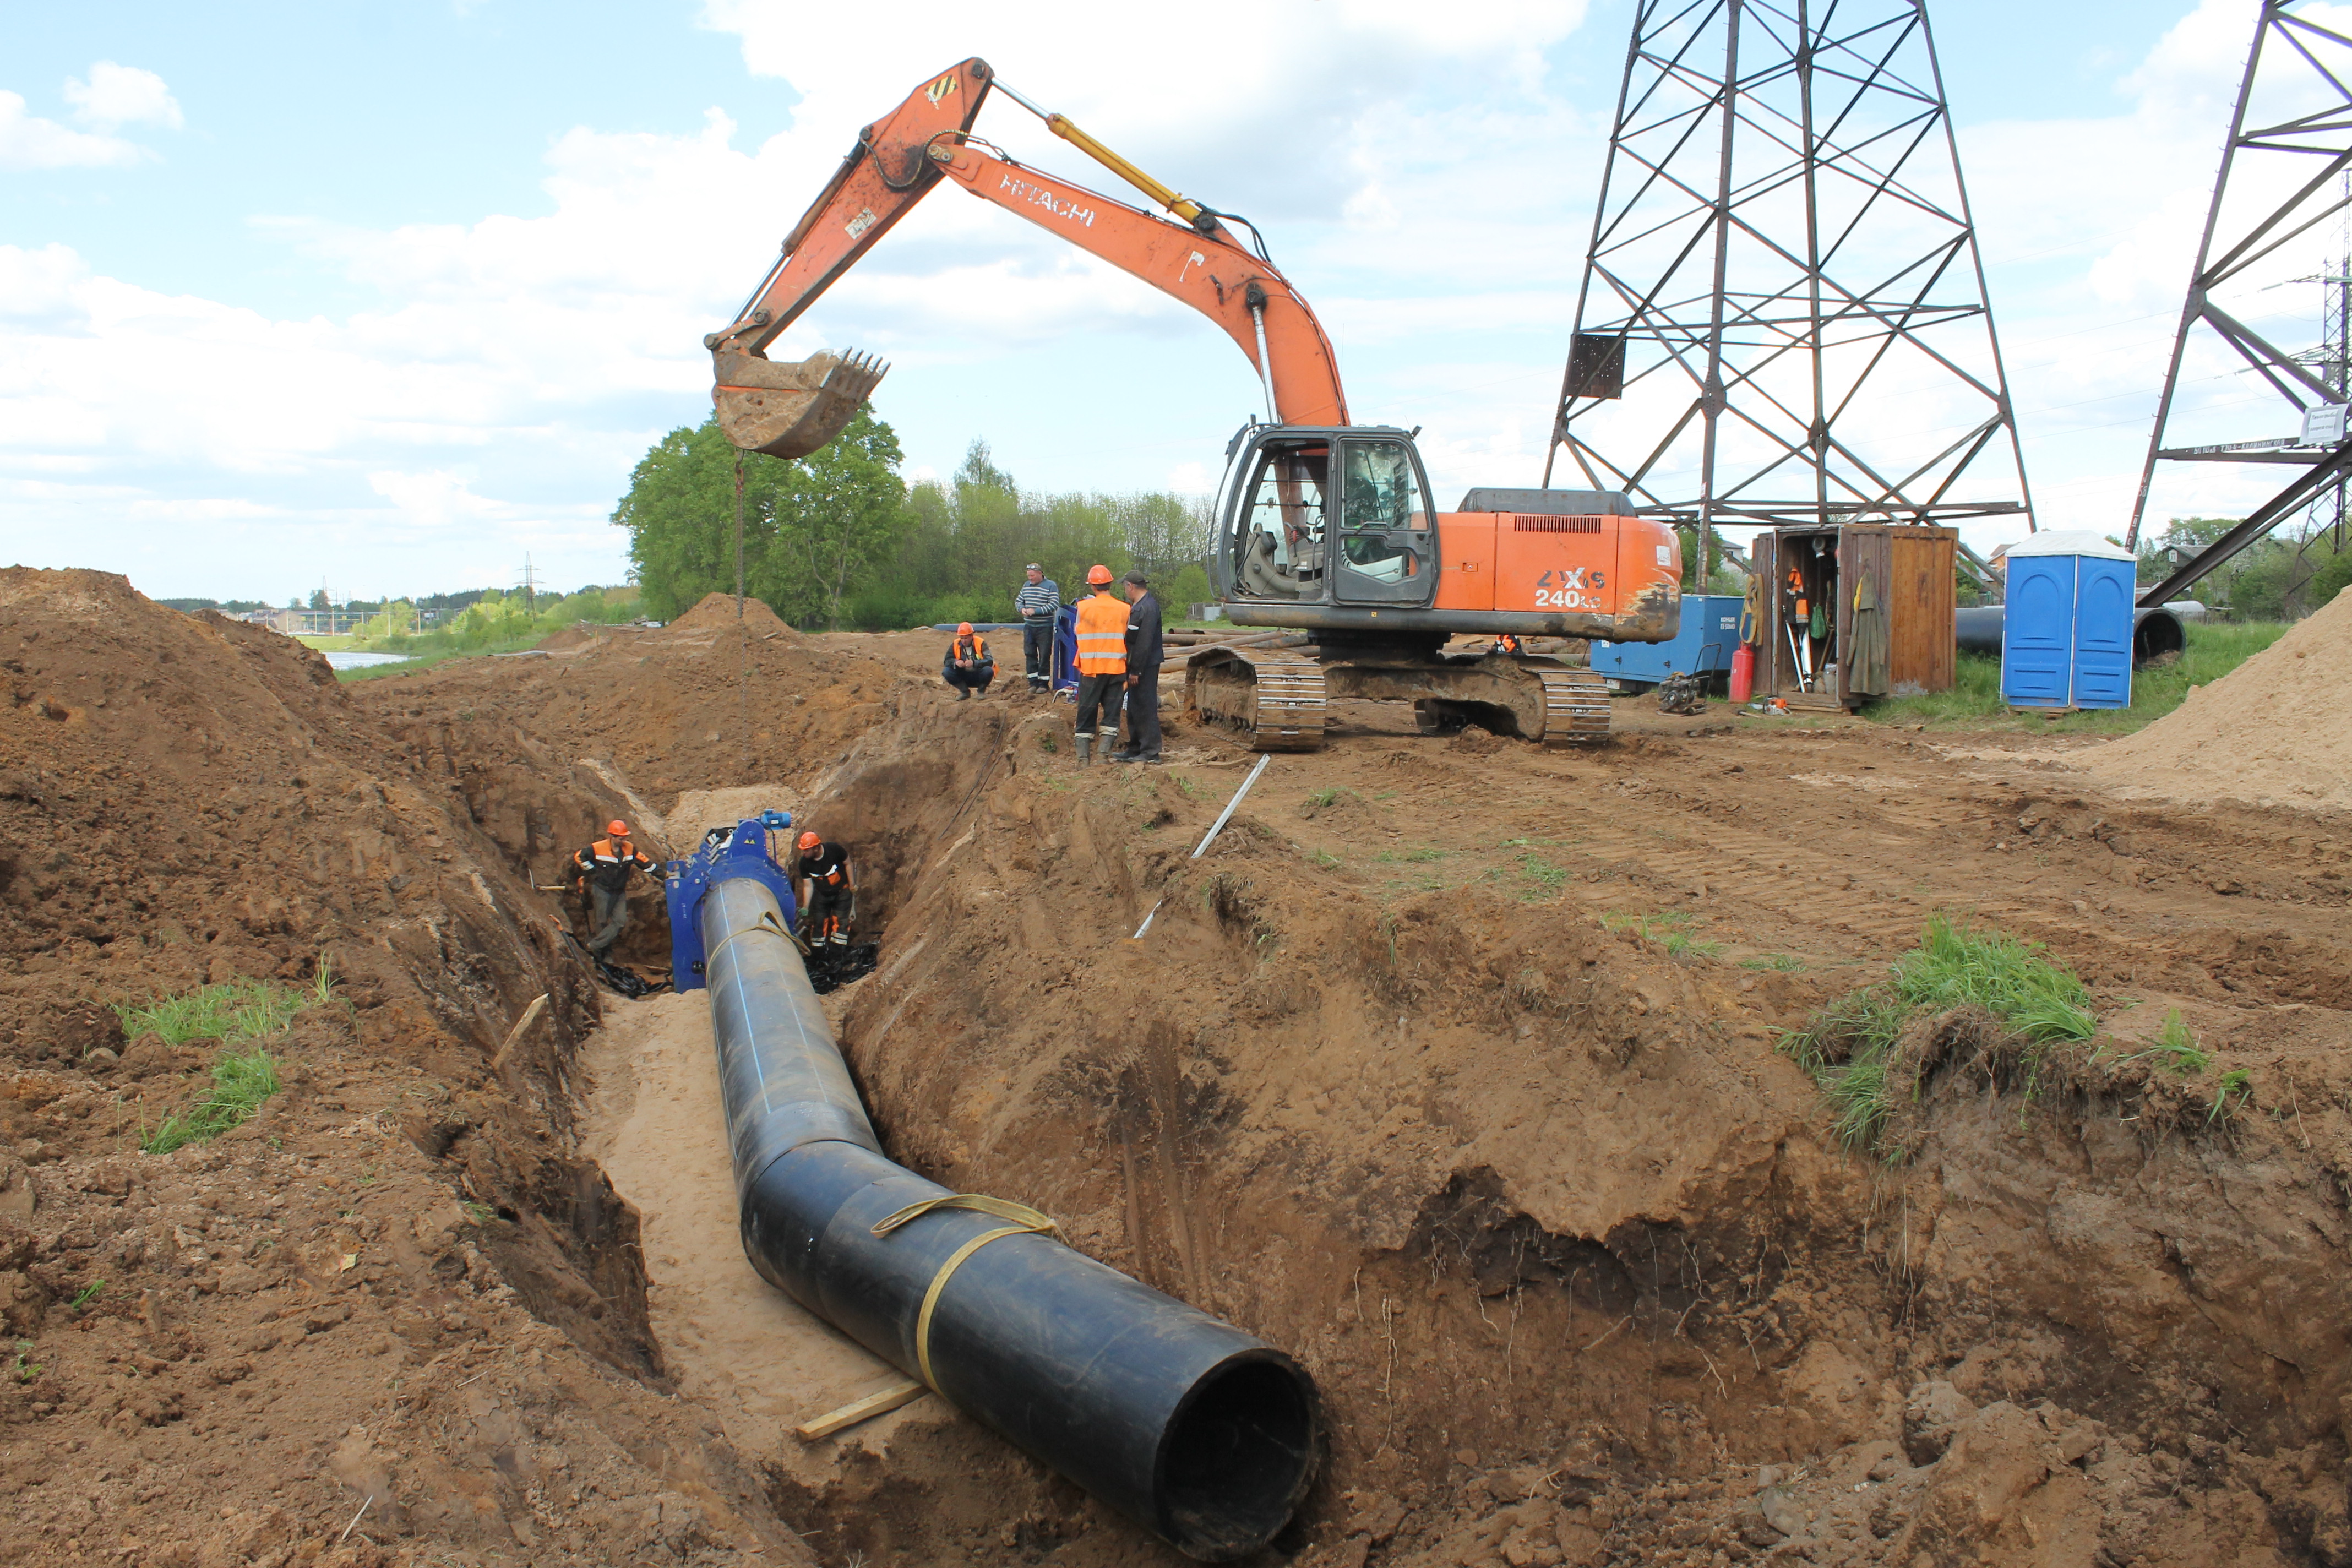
(1743, 657)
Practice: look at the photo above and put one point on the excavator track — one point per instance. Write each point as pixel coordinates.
(1275, 696)
(1576, 705)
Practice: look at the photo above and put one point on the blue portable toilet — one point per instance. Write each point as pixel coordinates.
(2066, 638)
(1704, 645)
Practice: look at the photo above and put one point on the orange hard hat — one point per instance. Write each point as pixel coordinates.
(617, 828)
(1097, 574)
(810, 841)
(963, 628)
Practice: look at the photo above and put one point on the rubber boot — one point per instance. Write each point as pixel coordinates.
(1085, 750)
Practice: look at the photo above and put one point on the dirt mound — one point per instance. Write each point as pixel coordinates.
(699, 811)
(565, 640)
(208, 1336)
(189, 799)
(715, 612)
(2271, 732)
(655, 712)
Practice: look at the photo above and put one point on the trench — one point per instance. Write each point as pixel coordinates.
(1562, 1244)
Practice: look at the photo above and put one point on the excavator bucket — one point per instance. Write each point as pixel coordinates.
(792, 409)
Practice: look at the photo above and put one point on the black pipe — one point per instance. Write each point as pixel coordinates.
(2156, 629)
(1193, 1429)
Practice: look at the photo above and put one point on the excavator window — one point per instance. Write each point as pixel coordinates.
(1386, 547)
(1285, 510)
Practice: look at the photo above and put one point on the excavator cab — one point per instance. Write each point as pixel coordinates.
(1337, 515)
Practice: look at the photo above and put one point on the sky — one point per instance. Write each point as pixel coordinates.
(392, 298)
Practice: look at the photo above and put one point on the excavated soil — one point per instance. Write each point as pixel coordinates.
(1451, 1068)
(2269, 732)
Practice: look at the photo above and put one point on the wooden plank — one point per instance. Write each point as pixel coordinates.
(530, 1017)
(1764, 558)
(856, 1410)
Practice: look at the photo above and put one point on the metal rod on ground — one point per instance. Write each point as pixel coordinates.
(1214, 828)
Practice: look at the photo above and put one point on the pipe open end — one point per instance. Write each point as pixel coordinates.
(2156, 633)
(1237, 1455)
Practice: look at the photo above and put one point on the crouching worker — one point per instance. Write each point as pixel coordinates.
(828, 897)
(968, 667)
(602, 870)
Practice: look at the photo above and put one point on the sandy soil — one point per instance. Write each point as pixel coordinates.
(2271, 732)
(1451, 1069)
(730, 1341)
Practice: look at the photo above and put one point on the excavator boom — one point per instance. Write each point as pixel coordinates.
(792, 409)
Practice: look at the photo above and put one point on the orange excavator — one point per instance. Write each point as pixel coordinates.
(1323, 526)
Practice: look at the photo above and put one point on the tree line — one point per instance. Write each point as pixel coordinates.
(838, 541)
(2282, 577)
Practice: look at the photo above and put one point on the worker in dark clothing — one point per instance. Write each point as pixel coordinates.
(1037, 603)
(603, 870)
(1144, 651)
(827, 893)
(968, 665)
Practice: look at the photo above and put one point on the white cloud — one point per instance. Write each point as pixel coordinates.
(116, 96)
(29, 142)
(514, 358)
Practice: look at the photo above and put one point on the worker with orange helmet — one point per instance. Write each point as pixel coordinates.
(827, 893)
(603, 870)
(968, 667)
(1102, 664)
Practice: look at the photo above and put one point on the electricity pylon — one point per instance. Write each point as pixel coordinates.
(2283, 167)
(1783, 319)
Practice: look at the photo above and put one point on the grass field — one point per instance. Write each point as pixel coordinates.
(329, 645)
(2215, 649)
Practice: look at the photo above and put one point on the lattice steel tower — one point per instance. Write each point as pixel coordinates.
(2283, 168)
(1783, 317)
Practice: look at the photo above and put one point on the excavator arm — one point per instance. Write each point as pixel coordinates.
(792, 409)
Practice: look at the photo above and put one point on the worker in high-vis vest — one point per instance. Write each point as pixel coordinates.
(602, 871)
(1102, 663)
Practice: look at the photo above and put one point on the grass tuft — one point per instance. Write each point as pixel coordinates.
(241, 1081)
(2176, 1048)
(1847, 1045)
(1670, 931)
(1780, 961)
(238, 1010)
(2237, 1082)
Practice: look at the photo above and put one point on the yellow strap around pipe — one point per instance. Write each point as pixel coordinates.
(1026, 1221)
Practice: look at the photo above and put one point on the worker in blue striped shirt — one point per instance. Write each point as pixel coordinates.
(1037, 602)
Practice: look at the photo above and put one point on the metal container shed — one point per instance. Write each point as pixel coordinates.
(2066, 640)
(1710, 630)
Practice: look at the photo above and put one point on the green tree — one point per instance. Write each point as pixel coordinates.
(813, 529)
